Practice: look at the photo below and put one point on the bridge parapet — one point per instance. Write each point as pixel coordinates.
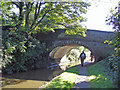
(91, 36)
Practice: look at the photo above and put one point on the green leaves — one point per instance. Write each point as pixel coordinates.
(44, 16)
(76, 30)
(114, 19)
(21, 53)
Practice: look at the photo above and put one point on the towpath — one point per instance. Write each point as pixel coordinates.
(82, 79)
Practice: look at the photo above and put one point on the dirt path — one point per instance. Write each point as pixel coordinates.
(82, 79)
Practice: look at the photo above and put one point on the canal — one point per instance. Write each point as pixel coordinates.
(30, 79)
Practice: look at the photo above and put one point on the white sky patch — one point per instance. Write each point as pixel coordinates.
(97, 14)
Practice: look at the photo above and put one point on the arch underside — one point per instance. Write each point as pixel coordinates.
(99, 50)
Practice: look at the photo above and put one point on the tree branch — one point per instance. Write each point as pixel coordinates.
(42, 18)
(37, 11)
(16, 4)
(27, 16)
(39, 8)
(31, 6)
(21, 4)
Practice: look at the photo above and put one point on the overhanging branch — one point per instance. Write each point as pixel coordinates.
(16, 4)
(42, 18)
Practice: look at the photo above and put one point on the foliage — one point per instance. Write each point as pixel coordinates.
(114, 19)
(64, 81)
(114, 60)
(99, 75)
(44, 16)
(21, 53)
(73, 55)
(76, 30)
(82, 48)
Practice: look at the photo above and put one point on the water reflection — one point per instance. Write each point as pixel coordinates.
(33, 78)
(7, 81)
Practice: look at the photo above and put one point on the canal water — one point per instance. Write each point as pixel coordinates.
(29, 79)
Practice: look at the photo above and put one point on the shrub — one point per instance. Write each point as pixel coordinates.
(21, 52)
(112, 62)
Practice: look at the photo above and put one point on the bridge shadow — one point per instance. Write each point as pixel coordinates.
(87, 64)
(38, 75)
(83, 85)
(82, 80)
(30, 75)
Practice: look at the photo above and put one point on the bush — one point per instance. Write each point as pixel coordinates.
(20, 52)
(112, 62)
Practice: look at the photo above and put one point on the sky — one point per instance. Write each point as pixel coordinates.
(97, 13)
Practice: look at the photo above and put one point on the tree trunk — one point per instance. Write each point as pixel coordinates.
(21, 4)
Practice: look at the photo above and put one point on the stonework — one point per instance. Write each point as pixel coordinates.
(94, 41)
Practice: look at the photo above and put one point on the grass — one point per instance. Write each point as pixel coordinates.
(98, 76)
(65, 80)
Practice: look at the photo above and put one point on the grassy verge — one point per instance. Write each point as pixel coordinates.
(65, 80)
(98, 76)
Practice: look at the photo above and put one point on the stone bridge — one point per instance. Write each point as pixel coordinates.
(94, 41)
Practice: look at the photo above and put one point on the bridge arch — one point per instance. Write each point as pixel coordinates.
(99, 50)
(94, 41)
(64, 49)
(73, 44)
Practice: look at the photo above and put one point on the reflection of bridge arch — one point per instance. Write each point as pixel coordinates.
(94, 41)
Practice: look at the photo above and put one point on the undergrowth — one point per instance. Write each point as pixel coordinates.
(99, 75)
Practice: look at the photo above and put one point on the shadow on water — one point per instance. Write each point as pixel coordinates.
(42, 75)
(38, 74)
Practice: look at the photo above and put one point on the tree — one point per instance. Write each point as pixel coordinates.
(32, 15)
(114, 60)
(114, 19)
